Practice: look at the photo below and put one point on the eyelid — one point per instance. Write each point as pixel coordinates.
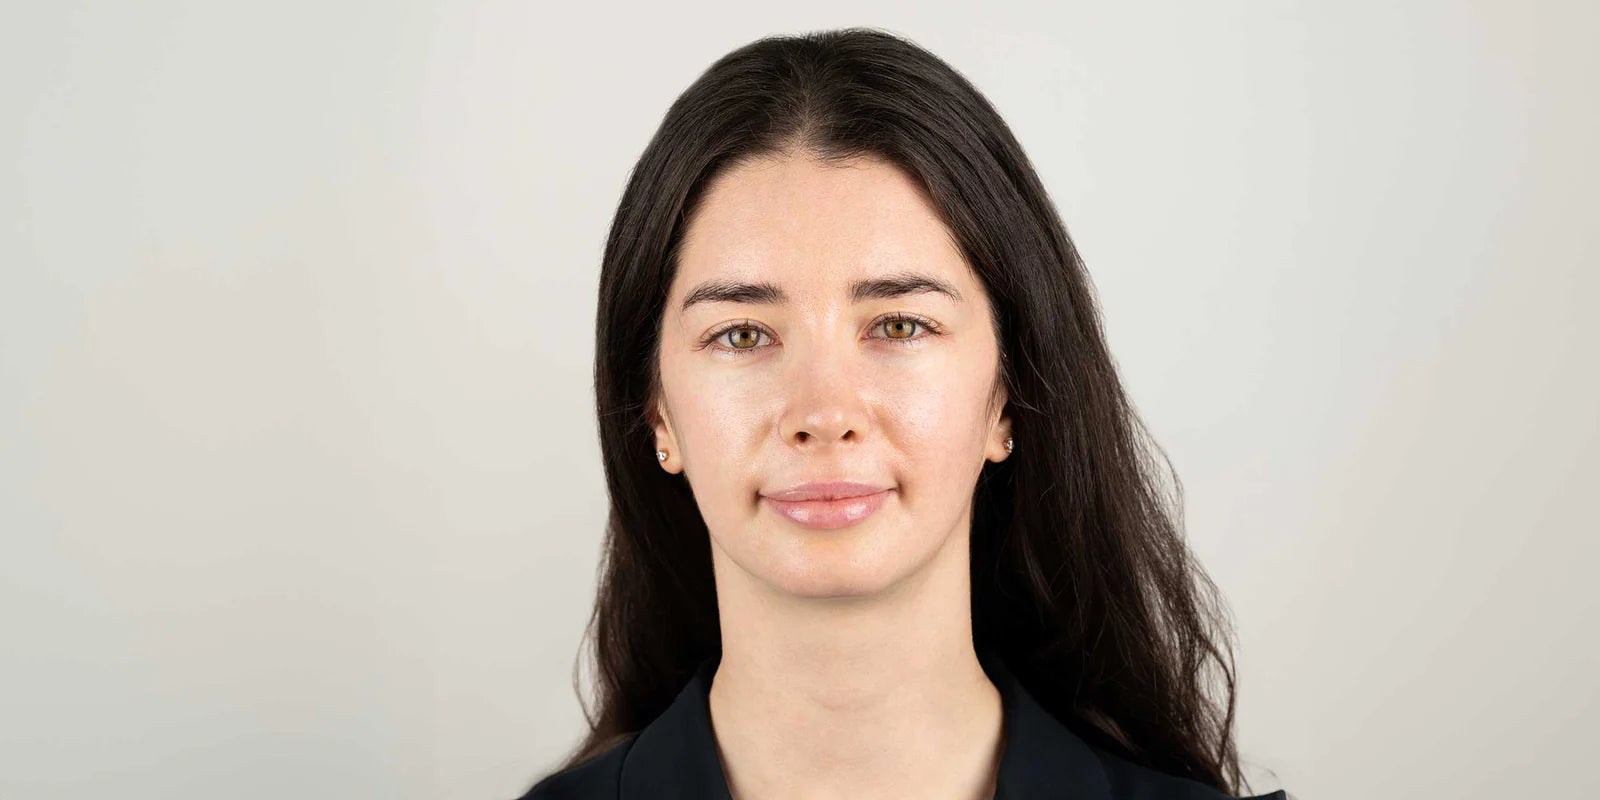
(932, 329)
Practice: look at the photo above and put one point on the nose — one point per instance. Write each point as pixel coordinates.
(823, 426)
(825, 406)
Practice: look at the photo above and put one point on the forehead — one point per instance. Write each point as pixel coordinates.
(801, 222)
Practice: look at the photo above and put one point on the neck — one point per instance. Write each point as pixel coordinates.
(868, 696)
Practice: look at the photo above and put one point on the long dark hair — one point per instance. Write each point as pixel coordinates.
(1081, 579)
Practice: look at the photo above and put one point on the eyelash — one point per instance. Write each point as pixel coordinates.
(932, 330)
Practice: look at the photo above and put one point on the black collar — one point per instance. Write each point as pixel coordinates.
(675, 756)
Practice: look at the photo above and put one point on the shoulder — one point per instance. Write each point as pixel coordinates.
(1130, 781)
(597, 778)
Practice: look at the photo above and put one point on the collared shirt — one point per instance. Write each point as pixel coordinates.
(675, 757)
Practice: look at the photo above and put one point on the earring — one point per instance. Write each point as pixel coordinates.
(661, 455)
(1008, 444)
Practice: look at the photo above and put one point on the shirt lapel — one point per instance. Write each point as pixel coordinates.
(1042, 759)
(675, 756)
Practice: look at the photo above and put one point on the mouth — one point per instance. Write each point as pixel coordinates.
(825, 513)
(826, 490)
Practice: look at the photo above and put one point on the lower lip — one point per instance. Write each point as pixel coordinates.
(829, 514)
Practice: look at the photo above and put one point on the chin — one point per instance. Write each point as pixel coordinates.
(858, 561)
(825, 586)
(839, 568)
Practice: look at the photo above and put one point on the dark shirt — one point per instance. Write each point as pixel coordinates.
(675, 758)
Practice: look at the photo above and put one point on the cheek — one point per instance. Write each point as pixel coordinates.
(936, 427)
(722, 411)
(719, 422)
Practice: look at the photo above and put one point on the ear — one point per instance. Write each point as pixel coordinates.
(665, 440)
(995, 447)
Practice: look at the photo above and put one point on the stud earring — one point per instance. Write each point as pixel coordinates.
(1008, 444)
(661, 455)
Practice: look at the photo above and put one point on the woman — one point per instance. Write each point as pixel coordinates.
(883, 522)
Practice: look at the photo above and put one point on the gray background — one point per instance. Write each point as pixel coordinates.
(301, 493)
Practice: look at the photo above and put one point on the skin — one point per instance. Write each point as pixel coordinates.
(848, 666)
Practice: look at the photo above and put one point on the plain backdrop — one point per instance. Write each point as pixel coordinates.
(301, 487)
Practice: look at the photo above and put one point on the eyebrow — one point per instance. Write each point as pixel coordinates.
(897, 284)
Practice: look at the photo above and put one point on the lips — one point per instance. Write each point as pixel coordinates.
(826, 490)
(827, 506)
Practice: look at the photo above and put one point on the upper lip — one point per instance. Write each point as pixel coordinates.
(826, 490)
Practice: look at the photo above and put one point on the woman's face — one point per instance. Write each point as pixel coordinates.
(779, 372)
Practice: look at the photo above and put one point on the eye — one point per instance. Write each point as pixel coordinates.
(746, 335)
(905, 323)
